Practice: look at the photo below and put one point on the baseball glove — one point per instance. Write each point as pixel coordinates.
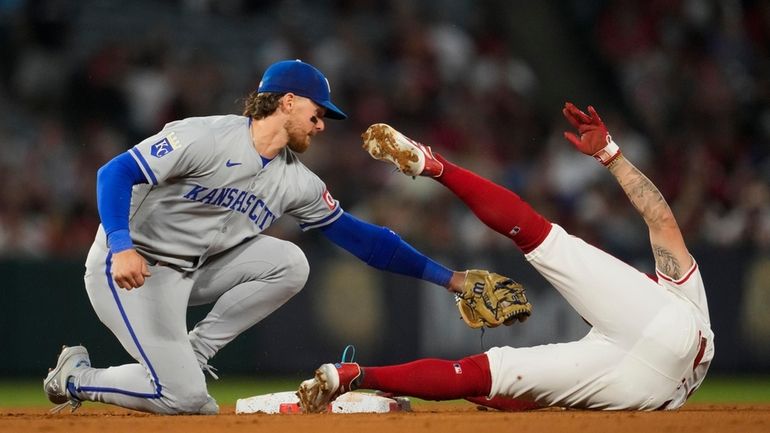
(491, 300)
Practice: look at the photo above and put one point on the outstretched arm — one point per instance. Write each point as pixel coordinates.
(668, 247)
(383, 249)
(484, 298)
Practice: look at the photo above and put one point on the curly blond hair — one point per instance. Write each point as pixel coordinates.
(260, 105)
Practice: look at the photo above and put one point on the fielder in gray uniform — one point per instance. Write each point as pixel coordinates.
(182, 214)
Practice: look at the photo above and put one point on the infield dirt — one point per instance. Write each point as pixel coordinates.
(426, 418)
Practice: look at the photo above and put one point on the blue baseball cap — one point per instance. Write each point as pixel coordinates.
(302, 79)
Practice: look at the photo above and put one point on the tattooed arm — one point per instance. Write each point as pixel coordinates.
(671, 255)
(668, 247)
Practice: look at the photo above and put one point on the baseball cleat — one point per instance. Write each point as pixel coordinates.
(55, 383)
(330, 381)
(383, 142)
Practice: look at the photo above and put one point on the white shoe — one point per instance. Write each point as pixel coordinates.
(55, 383)
(330, 381)
(383, 142)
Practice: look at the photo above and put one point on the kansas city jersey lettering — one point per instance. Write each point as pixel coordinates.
(232, 198)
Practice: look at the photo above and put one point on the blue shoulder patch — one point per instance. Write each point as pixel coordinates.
(161, 148)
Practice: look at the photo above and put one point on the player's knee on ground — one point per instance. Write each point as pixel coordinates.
(190, 400)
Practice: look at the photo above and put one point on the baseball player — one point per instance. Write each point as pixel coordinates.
(650, 344)
(182, 214)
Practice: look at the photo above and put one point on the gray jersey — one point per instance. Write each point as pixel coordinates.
(208, 191)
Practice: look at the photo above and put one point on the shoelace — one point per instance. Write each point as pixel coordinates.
(210, 370)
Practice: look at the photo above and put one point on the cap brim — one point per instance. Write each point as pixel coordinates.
(332, 112)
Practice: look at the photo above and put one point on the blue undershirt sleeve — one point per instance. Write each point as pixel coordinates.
(114, 182)
(383, 249)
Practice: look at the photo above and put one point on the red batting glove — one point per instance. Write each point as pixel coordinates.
(594, 138)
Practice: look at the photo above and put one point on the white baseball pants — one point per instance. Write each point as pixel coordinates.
(642, 344)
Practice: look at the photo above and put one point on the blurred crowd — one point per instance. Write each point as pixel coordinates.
(683, 85)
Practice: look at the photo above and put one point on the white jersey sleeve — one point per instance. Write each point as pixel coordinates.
(690, 285)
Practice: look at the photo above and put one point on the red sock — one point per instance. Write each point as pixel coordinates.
(497, 207)
(432, 379)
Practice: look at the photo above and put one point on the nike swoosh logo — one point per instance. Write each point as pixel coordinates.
(232, 164)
